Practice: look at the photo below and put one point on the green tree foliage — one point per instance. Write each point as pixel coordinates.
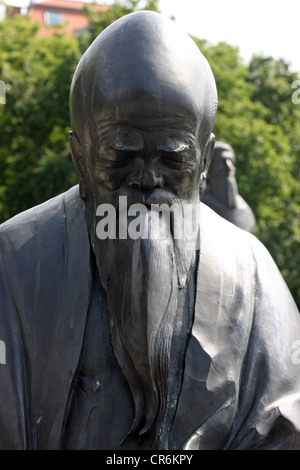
(34, 155)
(35, 163)
(272, 86)
(255, 115)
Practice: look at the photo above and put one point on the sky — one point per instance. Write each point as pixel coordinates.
(267, 27)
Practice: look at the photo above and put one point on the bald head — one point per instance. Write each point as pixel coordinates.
(142, 62)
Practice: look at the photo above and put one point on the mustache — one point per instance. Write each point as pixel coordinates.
(135, 196)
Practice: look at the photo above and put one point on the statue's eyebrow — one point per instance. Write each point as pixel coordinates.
(123, 141)
(175, 145)
(122, 146)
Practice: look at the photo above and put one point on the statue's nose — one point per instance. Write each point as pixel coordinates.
(145, 180)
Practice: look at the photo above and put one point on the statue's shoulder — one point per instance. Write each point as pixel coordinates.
(43, 245)
(45, 232)
(222, 236)
(229, 253)
(48, 216)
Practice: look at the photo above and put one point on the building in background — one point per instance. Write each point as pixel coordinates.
(66, 16)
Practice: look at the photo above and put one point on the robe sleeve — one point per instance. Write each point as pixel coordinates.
(268, 411)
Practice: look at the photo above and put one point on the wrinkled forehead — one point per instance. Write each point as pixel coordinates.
(145, 111)
(151, 78)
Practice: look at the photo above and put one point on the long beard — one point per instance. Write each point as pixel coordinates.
(225, 190)
(150, 298)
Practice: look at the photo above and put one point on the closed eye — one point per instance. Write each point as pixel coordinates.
(176, 160)
(113, 158)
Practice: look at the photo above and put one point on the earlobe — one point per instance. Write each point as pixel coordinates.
(208, 152)
(78, 162)
(207, 157)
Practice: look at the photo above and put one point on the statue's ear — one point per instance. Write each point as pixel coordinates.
(78, 161)
(207, 156)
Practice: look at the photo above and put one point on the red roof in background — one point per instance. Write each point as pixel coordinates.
(73, 15)
(67, 4)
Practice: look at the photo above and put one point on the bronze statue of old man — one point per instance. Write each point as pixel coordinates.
(120, 340)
